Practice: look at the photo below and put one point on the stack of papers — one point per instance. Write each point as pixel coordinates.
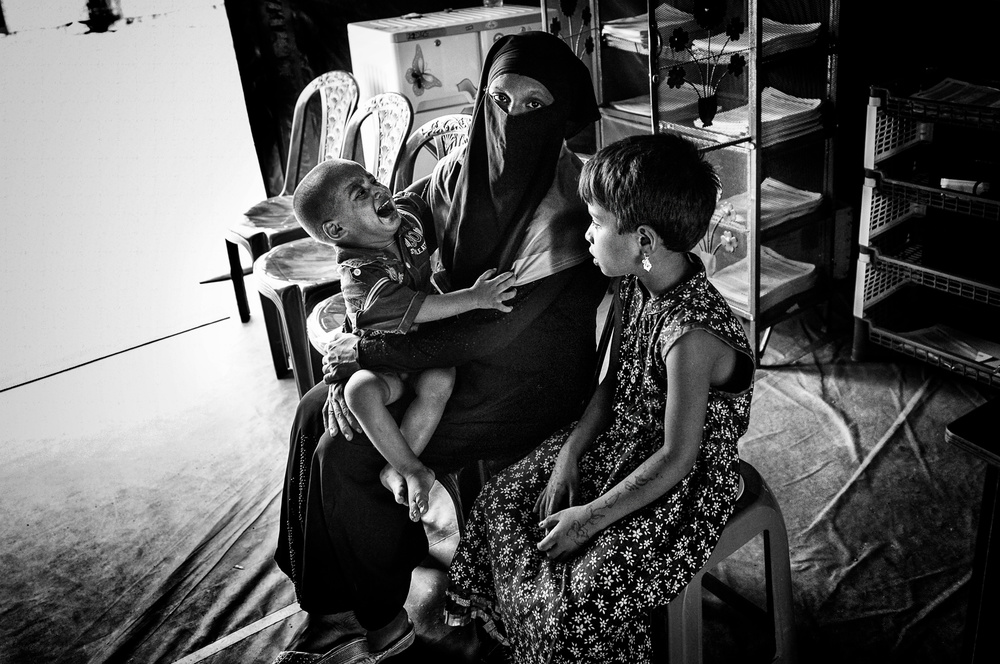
(632, 33)
(777, 37)
(676, 105)
(780, 278)
(782, 116)
(959, 92)
(779, 202)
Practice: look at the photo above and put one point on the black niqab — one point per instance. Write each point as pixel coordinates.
(511, 160)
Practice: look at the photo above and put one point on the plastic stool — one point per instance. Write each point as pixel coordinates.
(756, 513)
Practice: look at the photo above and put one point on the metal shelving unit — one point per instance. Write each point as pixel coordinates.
(632, 73)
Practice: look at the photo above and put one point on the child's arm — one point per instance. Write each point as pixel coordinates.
(690, 365)
(486, 293)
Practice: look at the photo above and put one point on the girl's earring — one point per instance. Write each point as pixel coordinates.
(646, 265)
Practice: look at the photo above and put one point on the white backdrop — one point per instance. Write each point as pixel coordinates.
(122, 157)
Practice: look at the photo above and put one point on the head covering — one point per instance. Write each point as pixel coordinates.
(510, 161)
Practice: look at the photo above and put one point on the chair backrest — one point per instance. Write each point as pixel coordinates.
(437, 136)
(338, 96)
(393, 117)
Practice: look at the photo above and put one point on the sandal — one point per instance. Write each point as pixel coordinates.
(353, 651)
(399, 645)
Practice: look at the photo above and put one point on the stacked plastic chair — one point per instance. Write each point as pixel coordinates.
(271, 222)
(297, 275)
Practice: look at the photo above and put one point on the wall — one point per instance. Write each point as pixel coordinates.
(125, 155)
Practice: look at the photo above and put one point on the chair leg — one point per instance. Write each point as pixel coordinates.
(781, 607)
(684, 625)
(236, 275)
(293, 317)
(275, 337)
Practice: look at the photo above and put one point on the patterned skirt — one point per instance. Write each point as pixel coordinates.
(595, 607)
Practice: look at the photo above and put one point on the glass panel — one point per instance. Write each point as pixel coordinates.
(703, 62)
(726, 248)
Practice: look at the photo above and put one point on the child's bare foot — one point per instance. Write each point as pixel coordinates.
(393, 481)
(418, 488)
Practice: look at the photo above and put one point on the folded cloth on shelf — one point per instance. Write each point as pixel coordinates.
(782, 116)
(779, 202)
(780, 278)
(777, 37)
(632, 32)
(676, 105)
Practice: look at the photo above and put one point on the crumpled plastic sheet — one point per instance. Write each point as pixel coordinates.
(881, 511)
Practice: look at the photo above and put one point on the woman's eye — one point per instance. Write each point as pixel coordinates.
(534, 103)
(500, 99)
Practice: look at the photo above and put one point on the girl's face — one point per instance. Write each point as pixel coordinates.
(517, 94)
(615, 253)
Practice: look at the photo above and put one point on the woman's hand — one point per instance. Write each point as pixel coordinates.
(493, 293)
(567, 532)
(561, 489)
(341, 357)
(338, 416)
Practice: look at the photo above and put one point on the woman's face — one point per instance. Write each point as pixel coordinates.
(517, 94)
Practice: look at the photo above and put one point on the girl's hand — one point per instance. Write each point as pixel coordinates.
(339, 417)
(492, 293)
(561, 489)
(568, 531)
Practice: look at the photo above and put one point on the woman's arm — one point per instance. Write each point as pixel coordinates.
(453, 341)
(560, 491)
(472, 335)
(689, 366)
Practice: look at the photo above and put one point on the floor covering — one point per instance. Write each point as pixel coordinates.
(140, 505)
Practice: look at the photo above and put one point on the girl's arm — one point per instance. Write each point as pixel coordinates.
(689, 363)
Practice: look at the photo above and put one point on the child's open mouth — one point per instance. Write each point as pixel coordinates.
(386, 208)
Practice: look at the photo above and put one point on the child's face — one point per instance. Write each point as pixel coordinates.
(615, 253)
(360, 211)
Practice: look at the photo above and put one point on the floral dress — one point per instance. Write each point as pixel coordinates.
(596, 607)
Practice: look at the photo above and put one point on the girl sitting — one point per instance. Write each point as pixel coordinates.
(568, 551)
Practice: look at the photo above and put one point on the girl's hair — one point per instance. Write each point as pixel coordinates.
(660, 180)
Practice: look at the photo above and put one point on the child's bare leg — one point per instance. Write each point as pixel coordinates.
(367, 393)
(433, 389)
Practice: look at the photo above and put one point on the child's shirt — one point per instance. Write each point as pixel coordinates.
(382, 292)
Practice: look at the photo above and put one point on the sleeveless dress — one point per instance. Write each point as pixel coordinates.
(596, 607)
